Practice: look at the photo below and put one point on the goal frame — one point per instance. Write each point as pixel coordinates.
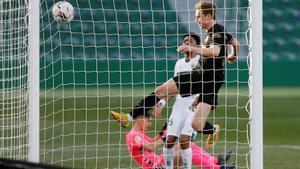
(256, 85)
(33, 80)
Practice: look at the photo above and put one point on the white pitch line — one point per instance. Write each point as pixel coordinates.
(292, 147)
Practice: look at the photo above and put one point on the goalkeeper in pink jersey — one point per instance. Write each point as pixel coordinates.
(142, 149)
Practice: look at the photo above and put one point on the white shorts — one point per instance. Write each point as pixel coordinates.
(180, 121)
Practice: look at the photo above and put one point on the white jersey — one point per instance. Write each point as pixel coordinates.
(180, 121)
(182, 67)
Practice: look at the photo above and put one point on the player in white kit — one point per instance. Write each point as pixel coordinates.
(179, 124)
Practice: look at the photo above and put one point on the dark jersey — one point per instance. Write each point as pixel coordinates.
(207, 76)
(213, 67)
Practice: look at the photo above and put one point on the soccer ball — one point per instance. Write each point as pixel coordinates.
(63, 12)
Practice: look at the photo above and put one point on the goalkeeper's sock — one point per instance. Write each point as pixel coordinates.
(144, 105)
(169, 156)
(186, 156)
(208, 128)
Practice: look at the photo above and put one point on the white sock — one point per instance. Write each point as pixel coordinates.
(169, 156)
(186, 156)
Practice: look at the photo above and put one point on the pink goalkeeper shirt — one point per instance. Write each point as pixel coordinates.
(146, 159)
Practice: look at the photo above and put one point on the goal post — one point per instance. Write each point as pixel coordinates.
(256, 84)
(33, 80)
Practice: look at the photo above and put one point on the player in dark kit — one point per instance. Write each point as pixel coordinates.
(206, 78)
(214, 53)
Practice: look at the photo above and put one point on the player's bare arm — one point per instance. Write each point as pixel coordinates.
(212, 51)
(153, 145)
(196, 101)
(160, 105)
(235, 46)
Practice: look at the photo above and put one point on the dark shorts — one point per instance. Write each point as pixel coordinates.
(190, 84)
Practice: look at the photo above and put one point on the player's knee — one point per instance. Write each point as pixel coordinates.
(177, 161)
(170, 141)
(160, 91)
(184, 141)
(197, 126)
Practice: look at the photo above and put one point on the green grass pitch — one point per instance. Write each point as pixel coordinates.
(89, 135)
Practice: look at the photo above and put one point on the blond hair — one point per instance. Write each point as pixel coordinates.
(207, 7)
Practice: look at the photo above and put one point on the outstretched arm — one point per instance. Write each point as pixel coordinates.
(212, 51)
(158, 141)
(153, 145)
(235, 46)
(160, 105)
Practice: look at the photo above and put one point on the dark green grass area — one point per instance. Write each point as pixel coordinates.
(78, 120)
(282, 116)
(281, 125)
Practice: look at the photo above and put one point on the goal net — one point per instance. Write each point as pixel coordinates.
(13, 79)
(114, 53)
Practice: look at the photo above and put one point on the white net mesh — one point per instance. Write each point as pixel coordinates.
(111, 55)
(13, 79)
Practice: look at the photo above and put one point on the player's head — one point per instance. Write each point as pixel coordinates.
(205, 14)
(143, 122)
(191, 39)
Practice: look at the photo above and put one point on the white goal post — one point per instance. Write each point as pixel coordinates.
(60, 81)
(256, 84)
(33, 81)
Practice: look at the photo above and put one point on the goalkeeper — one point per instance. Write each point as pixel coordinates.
(142, 149)
(206, 78)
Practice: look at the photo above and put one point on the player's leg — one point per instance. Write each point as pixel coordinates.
(169, 151)
(212, 136)
(223, 158)
(200, 124)
(186, 151)
(211, 130)
(182, 84)
(185, 138)
(200, 117)
(177, 159)
(173, 132)
(164, 90)
(169, 88)
(201, 158)
(207, 102)
(211, 97)
(208, 128)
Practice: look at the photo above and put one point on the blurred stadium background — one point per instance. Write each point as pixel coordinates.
(281, 88)
(75, 59)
